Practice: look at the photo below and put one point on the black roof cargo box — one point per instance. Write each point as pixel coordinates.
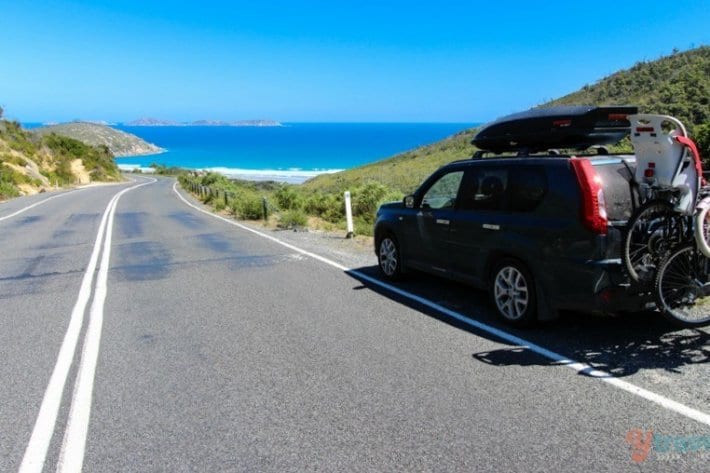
(540, 129)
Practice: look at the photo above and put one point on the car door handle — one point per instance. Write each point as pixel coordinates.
(441, 221)
(489, 226)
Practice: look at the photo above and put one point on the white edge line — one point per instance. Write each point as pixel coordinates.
(71, 456)
(581, 368)
(43, 201)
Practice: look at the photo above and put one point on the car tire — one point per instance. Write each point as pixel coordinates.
(513, 293)
(389, 257)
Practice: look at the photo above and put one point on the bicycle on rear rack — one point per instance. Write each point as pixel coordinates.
(666, 247)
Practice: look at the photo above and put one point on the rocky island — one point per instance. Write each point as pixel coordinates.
(158, 122)
(152, 122)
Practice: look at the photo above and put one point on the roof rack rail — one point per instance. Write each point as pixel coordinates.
(521, 153)
(550, 153)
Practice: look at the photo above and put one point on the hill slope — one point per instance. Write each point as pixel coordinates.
(31, 163)
(403, 172)
(677, 85)
(118, 142)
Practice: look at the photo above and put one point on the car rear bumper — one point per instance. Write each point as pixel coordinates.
(602, 287)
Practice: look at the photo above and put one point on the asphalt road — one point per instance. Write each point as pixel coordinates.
(217, 349)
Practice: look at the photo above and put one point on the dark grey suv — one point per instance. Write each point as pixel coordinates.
(541, 233)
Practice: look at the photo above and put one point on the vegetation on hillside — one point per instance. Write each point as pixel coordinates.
(321, 200)
(403, 172)
(676, 85)
(118, 142)
(292, 206)
(31, 163)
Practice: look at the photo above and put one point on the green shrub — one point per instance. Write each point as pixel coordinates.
(289, 198)
(97, 160)
(292, 219)
(363, 226)
(12, 178)
(7, 190)
(9, 158)
(702, 139)
(8, 183)
(213, 178)
(252, 207)
(367, 198)
(233, 206)
(247, 206)
(328, 206)
(163, 170)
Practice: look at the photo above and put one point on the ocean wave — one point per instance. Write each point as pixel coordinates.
(292, 175)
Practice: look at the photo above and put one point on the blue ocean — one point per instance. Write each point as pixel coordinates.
(293, 152)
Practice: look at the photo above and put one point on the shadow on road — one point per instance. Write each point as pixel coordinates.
(621, 345)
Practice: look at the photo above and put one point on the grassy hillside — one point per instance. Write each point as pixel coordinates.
(403, 172)
(677, 85)
(118, 142)
(320, 201)
(31, 163)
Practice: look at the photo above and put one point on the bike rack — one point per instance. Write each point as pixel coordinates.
(666, 159)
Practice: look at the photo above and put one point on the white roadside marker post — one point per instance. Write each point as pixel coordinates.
(349, 215)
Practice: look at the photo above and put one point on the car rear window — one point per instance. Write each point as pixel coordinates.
(616, 178)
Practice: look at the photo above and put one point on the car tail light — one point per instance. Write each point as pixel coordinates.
(594, 216)
(562, 123)
(618, 116)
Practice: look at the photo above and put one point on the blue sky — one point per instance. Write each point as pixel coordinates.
(381, 61)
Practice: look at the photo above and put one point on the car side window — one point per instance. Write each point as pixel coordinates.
(528, 186)
(484, 188)
(442, 194)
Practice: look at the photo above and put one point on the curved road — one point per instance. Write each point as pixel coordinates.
(140, 334)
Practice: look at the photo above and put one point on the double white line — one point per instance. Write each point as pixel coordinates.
(71, 456)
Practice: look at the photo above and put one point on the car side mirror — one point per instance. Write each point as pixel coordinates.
(409, 201)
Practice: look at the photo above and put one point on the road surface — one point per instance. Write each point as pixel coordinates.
(141, 334)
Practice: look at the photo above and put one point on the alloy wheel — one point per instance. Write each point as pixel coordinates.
(511, 293)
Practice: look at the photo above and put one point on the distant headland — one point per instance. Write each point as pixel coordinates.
(158, 122)
(118, 142)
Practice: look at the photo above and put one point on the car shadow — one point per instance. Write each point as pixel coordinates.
(621, 345)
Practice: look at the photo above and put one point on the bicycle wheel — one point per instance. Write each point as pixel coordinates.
(702, 227)
(652, 230)
(683, 287)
